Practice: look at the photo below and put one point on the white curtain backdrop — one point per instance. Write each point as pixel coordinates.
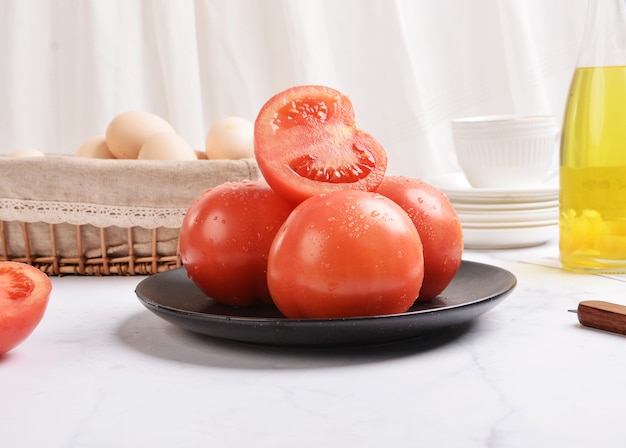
(409, 66)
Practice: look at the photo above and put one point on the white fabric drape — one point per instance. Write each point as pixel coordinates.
(409, 66)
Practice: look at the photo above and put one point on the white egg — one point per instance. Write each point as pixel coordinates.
(27, 152)
(127, 132)
(166, 146)
(95, 148)
(230, 138)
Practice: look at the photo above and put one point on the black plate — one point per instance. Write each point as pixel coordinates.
(475, 289)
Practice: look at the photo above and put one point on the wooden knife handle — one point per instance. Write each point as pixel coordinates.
(602, 315)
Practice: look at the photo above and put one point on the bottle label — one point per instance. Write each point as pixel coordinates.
(602, 189)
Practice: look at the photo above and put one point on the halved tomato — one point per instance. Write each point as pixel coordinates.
(24, 294)
(306, 142)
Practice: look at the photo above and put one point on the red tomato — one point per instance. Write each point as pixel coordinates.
(306, 142)
(345, 254)
(438, 225)
(225, 238)
(24, 294)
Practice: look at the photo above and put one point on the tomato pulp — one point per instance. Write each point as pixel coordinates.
(345, 254)
(225, 239)
(438, 225)
(306, 142)
(24, 295)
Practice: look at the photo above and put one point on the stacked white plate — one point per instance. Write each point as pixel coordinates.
(501, 218)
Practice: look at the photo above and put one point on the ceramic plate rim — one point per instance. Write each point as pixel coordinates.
(508, 217)
(341, 331)
(467, 193)
(509, 197)
(509, 225)
(464, 187)
(506, 207)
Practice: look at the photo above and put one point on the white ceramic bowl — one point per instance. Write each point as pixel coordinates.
(506, 151)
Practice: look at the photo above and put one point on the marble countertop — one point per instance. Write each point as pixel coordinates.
(103, 371)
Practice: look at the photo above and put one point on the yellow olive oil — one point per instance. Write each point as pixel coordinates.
(593, 172)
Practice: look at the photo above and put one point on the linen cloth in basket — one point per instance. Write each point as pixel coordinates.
(74, 215)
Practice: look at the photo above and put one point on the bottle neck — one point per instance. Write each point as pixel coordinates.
(604, 38)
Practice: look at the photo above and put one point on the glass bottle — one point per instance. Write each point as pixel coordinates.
(593, 147)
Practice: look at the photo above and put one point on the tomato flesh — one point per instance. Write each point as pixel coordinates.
(345, 254)
(24, 295)
(225, 239)
(312, 167)
(439, 227)
(307, 143)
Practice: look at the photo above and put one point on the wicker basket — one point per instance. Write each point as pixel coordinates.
(67, 215)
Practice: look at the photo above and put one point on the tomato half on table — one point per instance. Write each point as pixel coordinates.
(345, 254)
(438, 225)
(24, 296)
(225, 239)
(306, 142)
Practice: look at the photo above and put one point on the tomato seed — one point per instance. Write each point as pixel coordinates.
(16, 284)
